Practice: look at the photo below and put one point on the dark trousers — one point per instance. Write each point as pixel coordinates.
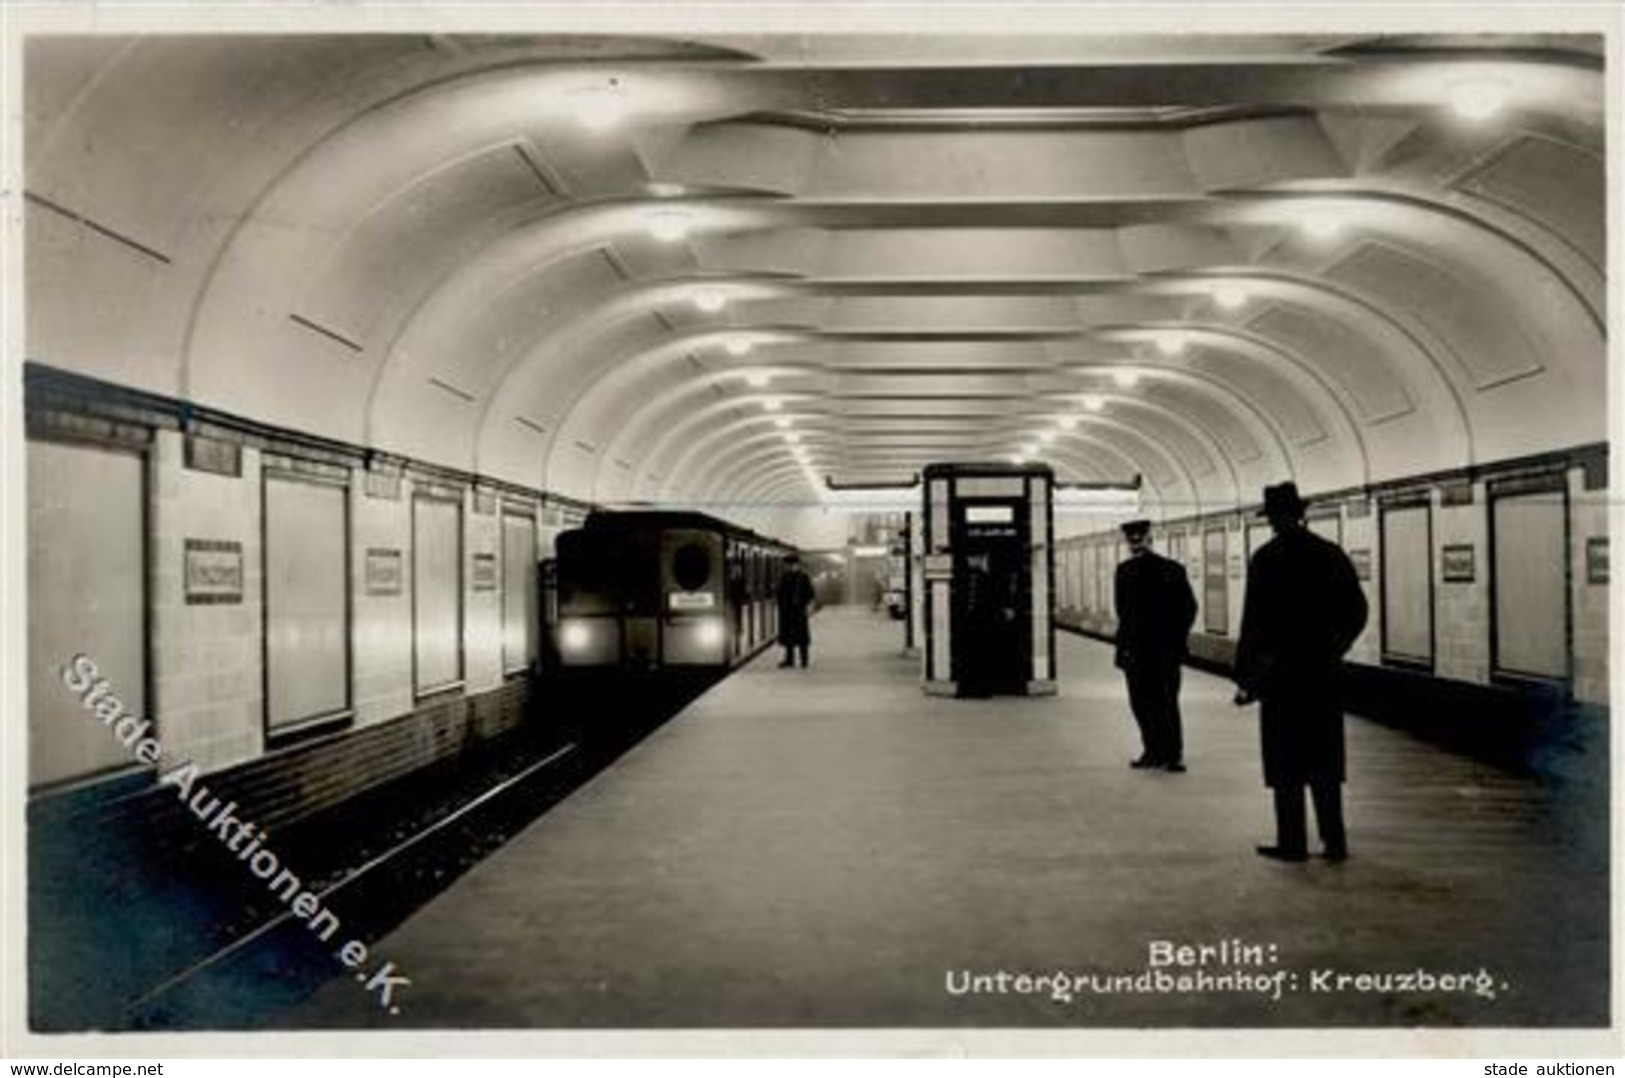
(790, 650)
(1153, 695)
(1291, 831)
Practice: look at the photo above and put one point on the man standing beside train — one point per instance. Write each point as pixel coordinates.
(795, 599)
(1155, 610)
(1303, 611)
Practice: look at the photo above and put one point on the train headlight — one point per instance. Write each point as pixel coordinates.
(709, 633)
(574, 636)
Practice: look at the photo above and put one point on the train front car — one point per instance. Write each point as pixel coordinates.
(662, 591)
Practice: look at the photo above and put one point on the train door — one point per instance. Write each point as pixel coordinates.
(992, 598)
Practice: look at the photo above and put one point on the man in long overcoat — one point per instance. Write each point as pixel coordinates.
(1155, 609)
(795, 597)
(1303, 611)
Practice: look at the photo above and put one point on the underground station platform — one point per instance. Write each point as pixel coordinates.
(830, 847)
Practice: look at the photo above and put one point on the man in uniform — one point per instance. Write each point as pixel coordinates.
(1303, 611)
(1155, 609)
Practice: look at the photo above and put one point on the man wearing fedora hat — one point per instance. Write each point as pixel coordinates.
(1303, 610)
(1155, 609)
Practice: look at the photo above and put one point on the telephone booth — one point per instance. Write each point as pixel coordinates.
(988, 609)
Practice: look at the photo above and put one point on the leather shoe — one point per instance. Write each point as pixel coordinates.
(1276, 853)
(1175, 766)
(1145, 761)
(1336, 854)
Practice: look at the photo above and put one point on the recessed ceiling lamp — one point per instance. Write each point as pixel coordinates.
(1230, 296)
(1046, 436)
(1171, 344)
(599, 103)
(757, 379)
(1068, 422)
(793, 437)
(669, 226)
(1093, 402)
(1321, 226)
(1017, 458)
(1478, 99)
(738, 346)
(772, 404)
(1127, 379)
(782, 422)
(710, 300)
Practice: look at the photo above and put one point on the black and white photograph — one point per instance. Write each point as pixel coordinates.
(976, 526)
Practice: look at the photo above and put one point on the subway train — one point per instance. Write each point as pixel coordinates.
(655, 591)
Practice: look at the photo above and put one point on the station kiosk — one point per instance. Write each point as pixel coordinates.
(987, 541)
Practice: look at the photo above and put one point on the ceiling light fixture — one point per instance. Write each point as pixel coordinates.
(1068, 422)
(710, 300)
(1126, 379)
(738, 346)
(1230, 296)
(772, 404)
(669, 226)
(757, 379)
(793, 437)
(1046, 436)
(1093, 402)
(782, 422)
(1478, 99)
(600, 105)
(1171, 344)
(1322, 227)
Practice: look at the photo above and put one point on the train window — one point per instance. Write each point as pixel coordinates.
(307, 601)
(1215, 584)
(691, 566)
(518, 591)
(1407, 584)
(1529, 536)
(597, 572)
(87, 580)
(437, 593)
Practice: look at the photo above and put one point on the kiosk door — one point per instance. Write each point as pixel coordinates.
(992, 598)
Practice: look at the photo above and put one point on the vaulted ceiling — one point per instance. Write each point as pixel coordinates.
(715, 269)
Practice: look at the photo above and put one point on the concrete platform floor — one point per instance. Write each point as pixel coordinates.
(832, 848)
